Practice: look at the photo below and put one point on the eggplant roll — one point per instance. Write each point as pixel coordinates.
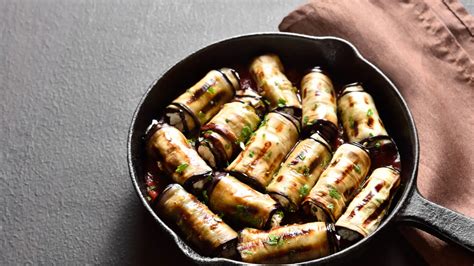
(264, 152)
(366, 210)
(319, 104)
(268, 72)
(197, 223)
(358, 114)
(338, 183)
(287, 244)
(300, 171)
(202, 101)
(235, 122)
(176, 156)
(241, 203)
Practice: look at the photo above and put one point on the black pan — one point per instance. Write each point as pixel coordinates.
(345, 64)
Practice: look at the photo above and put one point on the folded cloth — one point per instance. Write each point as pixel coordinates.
(426, 48)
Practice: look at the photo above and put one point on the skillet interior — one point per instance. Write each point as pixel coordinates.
(337, 56)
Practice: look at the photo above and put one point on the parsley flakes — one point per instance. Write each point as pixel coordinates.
(181, 168)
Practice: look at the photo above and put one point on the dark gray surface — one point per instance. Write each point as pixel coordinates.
(72, 73)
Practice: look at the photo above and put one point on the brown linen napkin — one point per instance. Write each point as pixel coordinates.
(426, 48)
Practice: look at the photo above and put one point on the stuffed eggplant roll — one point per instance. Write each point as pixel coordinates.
(358, 114)
(221, 137)
(300, 171)
(365, 212)
(202, 101)
(268, 72)
(242, 204)
(197, 223)
(338, 183)
(264, 152)
(176, 157)
(319, 104)
(287, 244)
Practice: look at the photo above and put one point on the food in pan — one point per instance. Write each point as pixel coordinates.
(319, 104)
(366, 210)
(358, 114)
(268, 72)
(338, 183)
(300, 171)
(223, 136)
(253, 172)
(264, 152)
(198, 224)
(242, 204)
(287, 244)
(202, 101)
(176, 157)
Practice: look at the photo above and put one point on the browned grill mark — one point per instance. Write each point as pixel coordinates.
(379, 186)
(197, 94)
(344, 173)
(370, 122)
(361, 205)
(315, 163)
(351, 102)
(382, 207)
(305, 91)
(279, 128)
(279, 178)
(366, 100)
(260, 153)
(217, 98)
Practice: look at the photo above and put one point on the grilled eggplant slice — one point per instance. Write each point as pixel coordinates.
(197, 223)
(338, 183)
(300, 171)
(359, 115)
(241, 203)
(287, 244)
(319, 104)
(268, 72)
(176, 156)
(264, 152)
(202, 101)
(235, 122)
(366, 210)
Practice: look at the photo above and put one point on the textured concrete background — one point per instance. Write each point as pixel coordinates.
(72, 73)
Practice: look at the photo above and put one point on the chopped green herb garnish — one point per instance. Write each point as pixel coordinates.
(151, 188)
(227, 120)
(264, 122)
(181, 168)
(273, 240)
(334, 193)
(304, 190)
(148, 198)
(251, 154)
(351, 122)
(357, 168)
(276, 83)
(370, 112)
(267, 102)
(280, 213)
(315, 106)
(211, 90)
(331, 206)
(208, 132)
(245, 134)
(305, 120)
(301, 156)
(371, 134)
(246, 252)
(264, 135)
(191, 141)
(306, 170)
(281, 102)
(377, 144)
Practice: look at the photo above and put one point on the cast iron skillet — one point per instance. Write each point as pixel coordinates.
(345, 64)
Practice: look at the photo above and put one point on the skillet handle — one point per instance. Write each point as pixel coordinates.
(437, 220)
